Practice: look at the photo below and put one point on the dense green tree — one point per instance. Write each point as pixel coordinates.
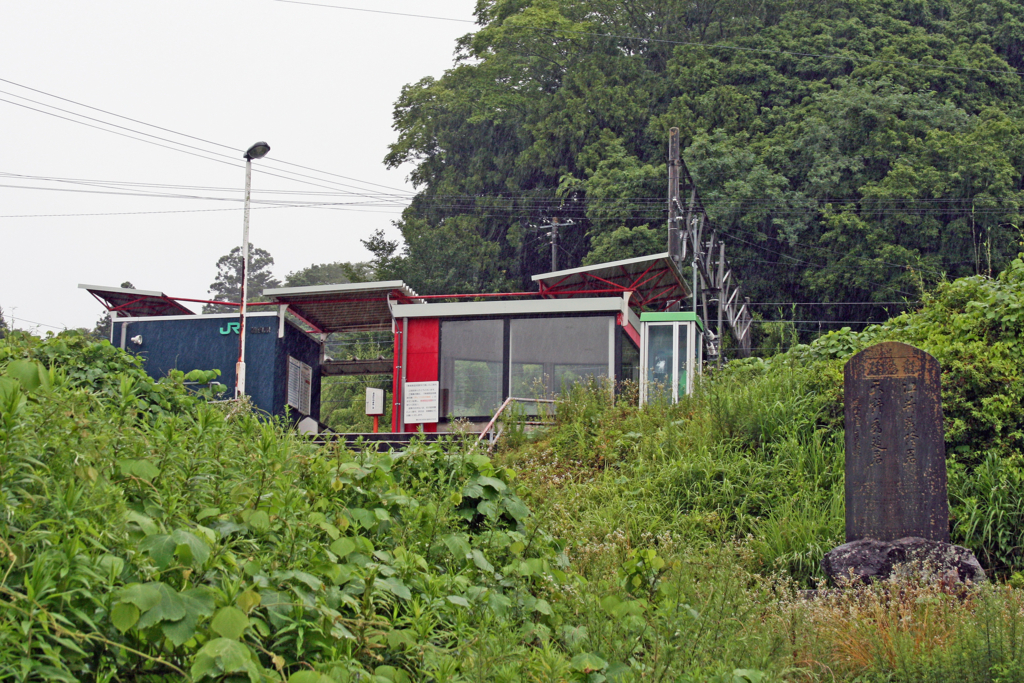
(228, 284)
(848, 151)
(3, 324)
(337, 273)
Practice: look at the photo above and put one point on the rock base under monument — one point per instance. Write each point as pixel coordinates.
(868, 560)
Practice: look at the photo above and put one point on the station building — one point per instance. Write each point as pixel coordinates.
(456, 357)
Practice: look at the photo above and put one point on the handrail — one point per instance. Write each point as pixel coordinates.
(505, 404)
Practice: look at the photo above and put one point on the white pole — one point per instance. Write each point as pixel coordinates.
(240, 365)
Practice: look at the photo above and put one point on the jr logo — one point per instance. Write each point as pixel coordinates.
(232, 327)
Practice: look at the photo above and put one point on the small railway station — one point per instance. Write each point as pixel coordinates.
(456, 357)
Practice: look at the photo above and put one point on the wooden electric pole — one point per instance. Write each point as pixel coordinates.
(675, 251)
(554, 244)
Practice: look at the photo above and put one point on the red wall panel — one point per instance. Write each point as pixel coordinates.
(424, 345)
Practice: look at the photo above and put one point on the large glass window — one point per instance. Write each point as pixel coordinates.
(682, 358)
(659, 361)
(471, 367)
(550, 354)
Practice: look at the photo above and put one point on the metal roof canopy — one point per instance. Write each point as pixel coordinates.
(653, 280)
(136, 303)
(352, 307)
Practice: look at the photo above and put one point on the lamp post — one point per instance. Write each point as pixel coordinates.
(257, 151)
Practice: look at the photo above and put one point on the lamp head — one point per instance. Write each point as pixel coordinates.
(257, 151)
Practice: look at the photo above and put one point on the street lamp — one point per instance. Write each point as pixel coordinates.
(257, 151)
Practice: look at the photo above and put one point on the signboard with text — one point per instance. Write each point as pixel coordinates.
(420, 402)
(374, 401)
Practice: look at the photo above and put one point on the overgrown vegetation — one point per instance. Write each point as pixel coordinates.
(151, 534)
(847, 151)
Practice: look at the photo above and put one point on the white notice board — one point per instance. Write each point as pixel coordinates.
(374, 401)
(420, 402)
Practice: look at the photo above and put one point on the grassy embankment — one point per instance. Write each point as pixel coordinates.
(151, 535)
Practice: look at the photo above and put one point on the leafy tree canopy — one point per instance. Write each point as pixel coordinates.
(228, 284)
(849, 151)
(337, 273)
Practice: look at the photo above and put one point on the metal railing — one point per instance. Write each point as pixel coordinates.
(501, 428)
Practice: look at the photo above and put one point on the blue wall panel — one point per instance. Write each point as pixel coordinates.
(211, 342)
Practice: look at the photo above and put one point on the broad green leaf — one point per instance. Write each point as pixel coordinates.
(248, 601)
(207, 512)
(497, 484)
(617, 671)
(390, 673)
(330, 530)
(259, 521)
(170, 607)
(145, 596)
(199, 600)
(161, 548)
(307, 676)
(458, 600)
(516, 508)
(112, 565)
(198, 550)
(148, 526)
(480, 561)
(458, 544)
(181, 631)
(223, 656)
(395, 585)
(587, 662)
(230, 622)
(124, 615)
(364, 518)
(488, 508)
(401, 638)
(343, 547)
(31, 374)
(143, 469)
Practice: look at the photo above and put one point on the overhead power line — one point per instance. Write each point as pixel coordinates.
(664, 41)
(225, 158)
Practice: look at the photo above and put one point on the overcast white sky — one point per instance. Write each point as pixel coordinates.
(318, 84)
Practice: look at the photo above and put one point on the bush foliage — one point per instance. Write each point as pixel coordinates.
(150, 533)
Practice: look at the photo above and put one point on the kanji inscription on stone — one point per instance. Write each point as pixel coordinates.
(895, 449)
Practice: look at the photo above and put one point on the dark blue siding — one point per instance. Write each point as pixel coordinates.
(208, 343)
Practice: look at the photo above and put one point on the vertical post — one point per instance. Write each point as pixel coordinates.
(240, 365)
(721, 297)
(674, 233)
(405, 360)
(554, 244)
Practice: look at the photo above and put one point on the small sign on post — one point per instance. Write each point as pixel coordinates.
(420, 402)
(375, 405)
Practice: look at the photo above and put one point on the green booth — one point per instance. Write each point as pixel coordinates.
(671, 354)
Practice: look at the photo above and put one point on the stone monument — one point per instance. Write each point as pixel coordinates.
(897, 508)
(895, 451)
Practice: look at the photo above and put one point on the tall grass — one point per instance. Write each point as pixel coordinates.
(751, 455)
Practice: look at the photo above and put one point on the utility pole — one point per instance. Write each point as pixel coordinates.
(697, 232)
(554, 244)
(675, 251)
(553, 234)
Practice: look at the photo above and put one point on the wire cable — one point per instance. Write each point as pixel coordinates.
(186, 135)
(665, 41)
